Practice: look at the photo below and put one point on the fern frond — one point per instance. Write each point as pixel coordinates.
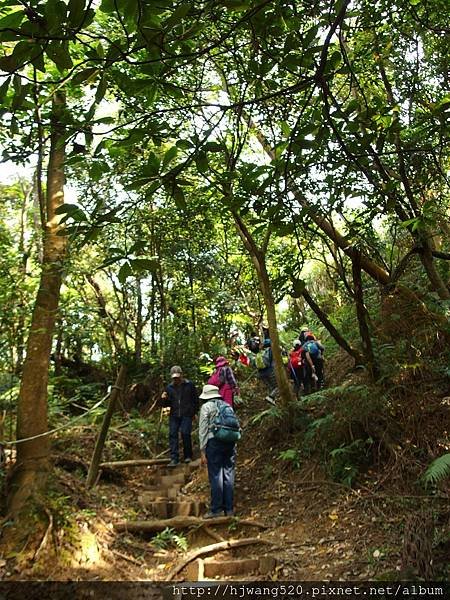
(438, 470)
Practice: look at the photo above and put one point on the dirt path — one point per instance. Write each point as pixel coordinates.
(314, 529)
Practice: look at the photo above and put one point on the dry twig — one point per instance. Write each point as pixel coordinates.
(211, 549)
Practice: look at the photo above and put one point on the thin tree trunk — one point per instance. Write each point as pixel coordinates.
(108, 319)
(359, 359)
(361, 313)
(20, 330)
(31, 466)
(139, 325)
(434, 276)
(99, 444)
(153, 319)
(258, 258)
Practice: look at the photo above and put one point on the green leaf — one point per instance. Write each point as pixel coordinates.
(438, 470)
(101, 89)
(169, 155)
(76, 12)
(38, 61)
(98, 169)
(178, 14)
(4, 89)
(125, 271)
(12, 21)
(179, 198)
(144, 264)
(85, 74)
(310, 36)
(72, 211)
(201, 160)
(235, 5)
(55, 13)
(14, 126)
(151, 168)
(20, 95)
(8, 64)
(59, 54)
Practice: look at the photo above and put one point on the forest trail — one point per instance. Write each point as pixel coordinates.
(293, 522)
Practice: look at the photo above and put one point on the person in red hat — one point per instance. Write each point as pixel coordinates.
(223, 377)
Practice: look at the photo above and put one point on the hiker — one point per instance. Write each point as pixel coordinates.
(182, 398)
(313, 364)
(296, 366)
(264, 364)
(219, 456)
(223, 377)
(304, 332)
(253, 343)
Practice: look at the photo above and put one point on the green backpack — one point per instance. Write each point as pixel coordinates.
(262, 359)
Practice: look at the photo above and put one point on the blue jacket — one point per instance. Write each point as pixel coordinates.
(186, 403)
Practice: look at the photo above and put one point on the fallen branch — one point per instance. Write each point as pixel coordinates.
(211, 549)
(180, 523)
(128, 558)
(142, 462)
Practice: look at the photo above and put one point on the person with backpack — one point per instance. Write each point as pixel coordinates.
(253, 343)
(223, 377)
(313, 370)
(266, 373)
(295, 365)
(304, 333)
(182, 398)
(218, 433)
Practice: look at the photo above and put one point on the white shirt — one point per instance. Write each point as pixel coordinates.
(208, 413)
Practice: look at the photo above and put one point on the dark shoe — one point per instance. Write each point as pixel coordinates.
(187, 460)
(173, 463)
(211, 515)
(229, 513)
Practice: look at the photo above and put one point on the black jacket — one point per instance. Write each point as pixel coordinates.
(186, 403)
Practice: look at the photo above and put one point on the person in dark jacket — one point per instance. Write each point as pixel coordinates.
(182, 398)
(266, 371)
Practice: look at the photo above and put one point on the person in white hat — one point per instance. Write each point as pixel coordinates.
(220, 457)
(182, 397)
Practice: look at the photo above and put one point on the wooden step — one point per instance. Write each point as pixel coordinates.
(164, 509)
(201, 569)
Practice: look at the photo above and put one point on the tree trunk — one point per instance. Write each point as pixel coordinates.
(29, 475)
(20, 330)
(359, 359)
(284, 387)
(99, 444)
(433, 274)
(259, 261)
(139, 325)
(361, 313)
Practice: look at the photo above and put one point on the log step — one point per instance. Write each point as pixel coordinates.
(200, 569)
(163, 509)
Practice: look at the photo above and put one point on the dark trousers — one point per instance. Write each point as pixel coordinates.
(183, 425)
(221, 459)
(267, 376)
(309, 384)
(296, 374)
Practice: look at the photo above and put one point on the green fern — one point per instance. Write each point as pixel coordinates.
(438, 470)
(273, 412)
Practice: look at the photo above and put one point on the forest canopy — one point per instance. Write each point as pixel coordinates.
(193, 172)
